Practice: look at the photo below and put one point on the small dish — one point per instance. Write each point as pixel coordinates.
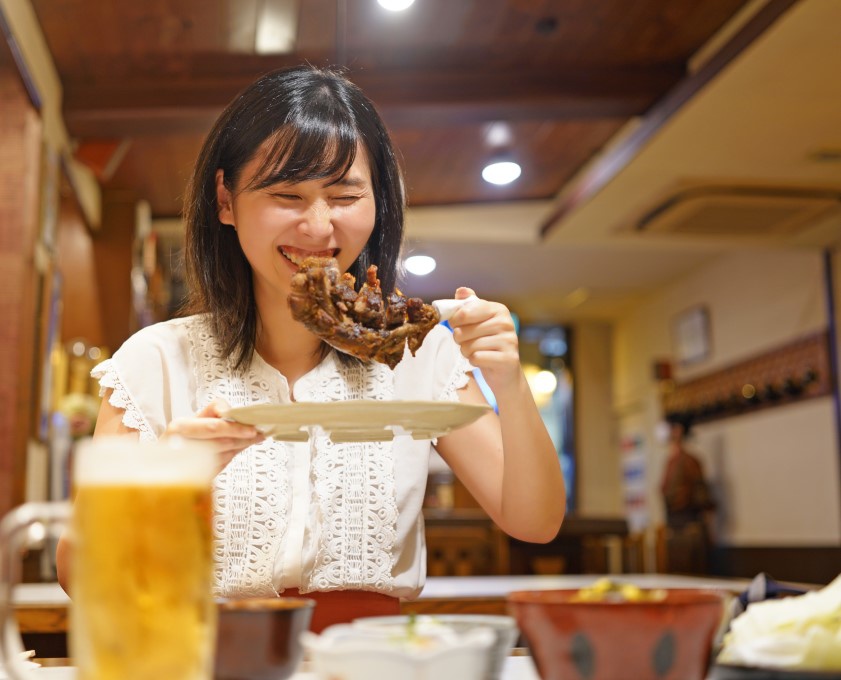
(504, 628)
(350, 653)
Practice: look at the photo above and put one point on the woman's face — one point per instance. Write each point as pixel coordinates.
(282, 224)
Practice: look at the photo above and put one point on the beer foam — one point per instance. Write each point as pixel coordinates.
(125, 460)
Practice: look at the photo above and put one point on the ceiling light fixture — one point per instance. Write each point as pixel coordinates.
(501, 172)
(420, 265)
(498, 134)
(395, 5)
(277, 27)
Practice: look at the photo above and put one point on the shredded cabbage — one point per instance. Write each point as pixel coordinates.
(802, 632)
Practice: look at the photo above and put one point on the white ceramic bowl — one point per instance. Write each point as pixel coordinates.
(348, 652)
(504, 628)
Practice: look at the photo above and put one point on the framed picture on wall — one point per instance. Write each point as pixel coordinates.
(691, 335)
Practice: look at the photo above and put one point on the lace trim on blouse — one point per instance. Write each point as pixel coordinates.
(354, 491)
(108, 377)
(251, 495)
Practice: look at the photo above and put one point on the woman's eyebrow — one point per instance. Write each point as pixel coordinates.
(356, 182)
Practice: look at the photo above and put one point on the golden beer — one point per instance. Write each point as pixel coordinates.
(141, 576)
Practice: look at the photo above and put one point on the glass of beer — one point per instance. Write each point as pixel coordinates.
(141, 567)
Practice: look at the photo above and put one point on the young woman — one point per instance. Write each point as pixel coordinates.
(301, 164)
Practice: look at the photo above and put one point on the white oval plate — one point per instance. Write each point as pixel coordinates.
(358, 420)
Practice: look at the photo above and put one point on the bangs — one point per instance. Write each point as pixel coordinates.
(307, 150)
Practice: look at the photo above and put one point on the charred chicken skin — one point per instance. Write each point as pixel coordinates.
(362, 324)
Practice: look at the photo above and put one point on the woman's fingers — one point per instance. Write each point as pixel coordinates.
(215, 409)
(210, 426)
(226, 438)
(487, 337)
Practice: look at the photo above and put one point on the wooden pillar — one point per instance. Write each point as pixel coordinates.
(81, 309)
(113, 252)
(20, 179)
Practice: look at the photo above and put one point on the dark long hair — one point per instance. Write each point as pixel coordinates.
(309, 121)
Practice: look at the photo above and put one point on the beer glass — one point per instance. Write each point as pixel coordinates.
(141, 568)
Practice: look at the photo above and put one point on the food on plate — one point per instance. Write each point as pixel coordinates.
(362, 323)
(605, 590)
(793, 633)
(423, 633)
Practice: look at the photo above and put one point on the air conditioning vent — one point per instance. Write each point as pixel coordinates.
(724, 211)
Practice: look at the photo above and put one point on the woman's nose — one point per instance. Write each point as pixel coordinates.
(317, 221)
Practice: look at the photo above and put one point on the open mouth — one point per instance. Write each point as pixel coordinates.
(296, 256)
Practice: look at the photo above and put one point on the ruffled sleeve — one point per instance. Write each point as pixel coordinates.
(108, 377)
(149, 379)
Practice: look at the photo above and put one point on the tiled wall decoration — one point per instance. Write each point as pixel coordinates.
(799, 370)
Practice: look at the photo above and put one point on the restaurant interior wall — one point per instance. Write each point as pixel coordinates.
(34, 136)
(775, 473)
(597, 454)
(76, 259)
(20, 178)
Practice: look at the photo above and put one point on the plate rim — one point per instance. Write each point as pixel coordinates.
(384, 429)
(756, 672)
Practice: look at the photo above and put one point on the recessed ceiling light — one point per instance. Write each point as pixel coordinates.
(277, 28)
(498, 134)
(502, 172)
(420, 265)
(395, 5)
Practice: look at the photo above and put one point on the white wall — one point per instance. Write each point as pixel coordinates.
(777, 471)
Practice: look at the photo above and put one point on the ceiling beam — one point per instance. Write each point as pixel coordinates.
(608, 166)
(405, 97)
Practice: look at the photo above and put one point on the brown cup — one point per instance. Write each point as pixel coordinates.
(259, 638)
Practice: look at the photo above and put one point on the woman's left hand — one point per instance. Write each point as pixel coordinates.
(487, 336)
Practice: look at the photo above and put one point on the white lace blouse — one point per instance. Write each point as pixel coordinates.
(347, 517)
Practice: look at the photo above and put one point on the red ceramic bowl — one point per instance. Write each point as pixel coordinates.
(259, 639)
(668, 639)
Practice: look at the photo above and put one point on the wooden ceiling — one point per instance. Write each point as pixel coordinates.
(144, 80)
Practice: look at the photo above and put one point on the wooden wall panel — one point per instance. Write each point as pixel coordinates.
(20, 171)
(113, 254)
(81, 309)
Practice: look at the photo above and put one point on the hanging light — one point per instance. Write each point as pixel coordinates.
(395, 5)
(420, 265)
(501, 172)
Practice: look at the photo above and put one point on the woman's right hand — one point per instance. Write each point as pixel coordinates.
(209, 426)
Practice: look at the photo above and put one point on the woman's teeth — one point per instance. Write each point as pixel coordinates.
(297, 258)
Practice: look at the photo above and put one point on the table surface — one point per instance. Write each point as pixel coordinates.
(516, 668)
(50, 597)
(455, 587)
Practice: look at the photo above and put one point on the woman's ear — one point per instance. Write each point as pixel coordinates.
(224, 200)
